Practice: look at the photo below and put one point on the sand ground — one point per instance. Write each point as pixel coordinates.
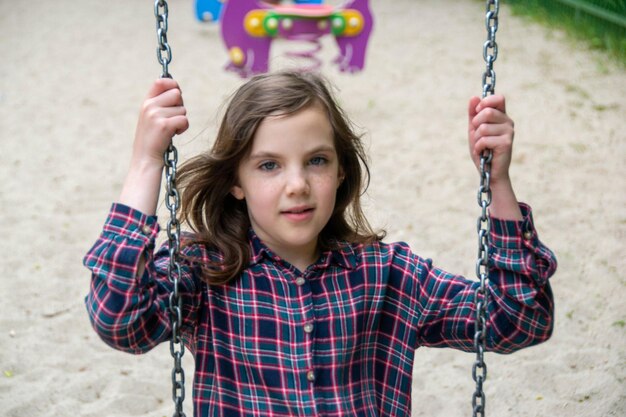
(72, 78)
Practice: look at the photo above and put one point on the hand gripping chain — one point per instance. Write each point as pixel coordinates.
(483, 226)
(172, 202)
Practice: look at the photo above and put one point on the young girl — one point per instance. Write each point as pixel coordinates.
(292, 304)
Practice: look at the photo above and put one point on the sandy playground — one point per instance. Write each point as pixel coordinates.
(72, 78)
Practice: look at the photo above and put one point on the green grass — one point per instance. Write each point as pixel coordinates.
(597, 32)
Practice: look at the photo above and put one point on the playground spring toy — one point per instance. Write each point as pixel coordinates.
(248, 28)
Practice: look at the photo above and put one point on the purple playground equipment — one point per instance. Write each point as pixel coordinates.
(249, 26)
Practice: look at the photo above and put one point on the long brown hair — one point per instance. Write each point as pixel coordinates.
(219, 220)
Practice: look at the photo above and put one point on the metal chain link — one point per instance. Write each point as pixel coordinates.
(172, 202)
(164, 52)
(483, 226)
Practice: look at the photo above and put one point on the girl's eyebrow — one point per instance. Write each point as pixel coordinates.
(274, 155)
(323, 148)
(263, 155)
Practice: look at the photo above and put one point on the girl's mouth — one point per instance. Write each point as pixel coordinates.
(298, 210)
(298, 213)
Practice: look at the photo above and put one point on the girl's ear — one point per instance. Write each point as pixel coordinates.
(237, 192)
(340, 177)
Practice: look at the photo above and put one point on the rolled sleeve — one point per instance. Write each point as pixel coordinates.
(515, 246)
(126, 309)
(126, 221)
(126, 236)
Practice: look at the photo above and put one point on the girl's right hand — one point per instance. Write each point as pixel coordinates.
(162, 116)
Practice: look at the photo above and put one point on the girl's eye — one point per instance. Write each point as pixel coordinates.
(268, 166)
(318, 160)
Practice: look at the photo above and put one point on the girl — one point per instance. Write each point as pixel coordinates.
(292, 304)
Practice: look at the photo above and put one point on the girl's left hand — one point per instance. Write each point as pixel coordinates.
(489, 127)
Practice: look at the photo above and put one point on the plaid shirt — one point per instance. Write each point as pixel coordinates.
(337, 339)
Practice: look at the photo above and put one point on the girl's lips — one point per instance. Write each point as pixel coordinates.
(298, 213)
(298, 209)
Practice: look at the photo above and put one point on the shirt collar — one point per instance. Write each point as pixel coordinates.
(343, 256)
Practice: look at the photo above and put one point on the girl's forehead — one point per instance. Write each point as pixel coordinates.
(314, 105)
(306, 129)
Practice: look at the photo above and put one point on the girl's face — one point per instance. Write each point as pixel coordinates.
(289, 181)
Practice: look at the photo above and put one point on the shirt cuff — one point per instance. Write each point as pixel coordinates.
(514, 234)
(128, 222)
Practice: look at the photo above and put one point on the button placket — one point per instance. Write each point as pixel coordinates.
(308, 319)
(308, 330)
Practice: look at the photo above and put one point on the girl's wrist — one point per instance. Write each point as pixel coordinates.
(500, 182)
(146, 164)
(142, 185)
(504, 204)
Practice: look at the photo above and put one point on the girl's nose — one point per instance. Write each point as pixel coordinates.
(297, 183)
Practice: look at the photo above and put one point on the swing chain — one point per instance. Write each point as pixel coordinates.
(490, 47)
(164, 52)
(172, 202)
(483, 226)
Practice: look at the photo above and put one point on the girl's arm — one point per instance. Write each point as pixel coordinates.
(422, 305)
(129, 296)
(489, 127)
(162, 116)
(520, 311)
(521, 307)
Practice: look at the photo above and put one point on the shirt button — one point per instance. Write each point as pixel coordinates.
(300, 281)
(528, 235)
(310, 376)
(146, 230)
(308, 328)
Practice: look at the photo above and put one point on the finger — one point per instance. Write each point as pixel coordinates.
(490, 115)
(161, 85)
(167, 127)
(471, 109)
(180, 124)
(489, 129)
(495, 101)
(492, 143)
(170, 98)
(168, 112)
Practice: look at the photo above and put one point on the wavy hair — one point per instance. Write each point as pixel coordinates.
(219, 221)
